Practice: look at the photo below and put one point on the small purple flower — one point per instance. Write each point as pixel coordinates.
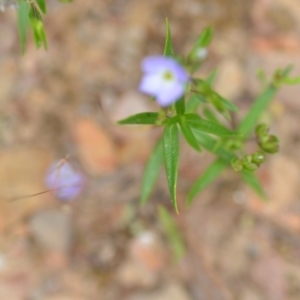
(65, 181)
(164, 78)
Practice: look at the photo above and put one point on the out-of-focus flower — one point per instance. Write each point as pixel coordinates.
(8, 3)
(64, 180)
(164, 78)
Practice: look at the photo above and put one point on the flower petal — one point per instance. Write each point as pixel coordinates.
(170, 94)
(167, 90)
(151, 84)
(155, 64)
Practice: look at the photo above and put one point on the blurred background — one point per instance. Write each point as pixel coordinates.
(63, 104)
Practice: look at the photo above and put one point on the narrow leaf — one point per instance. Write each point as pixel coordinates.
(180, 106)
(254, 183)
(209, 175)
(146, 118)
(247, 125)
(196, 122)
(221, 104)
(42, 34)
(172, 232)
(209, 114)
(213, 146)
(171, 157)
(196, 99)
(168, 51)
(192, 104)
(226, 103)
(205, 37)
(287, 70)
(23, 20)
(211, 77)
(152, 171)
(289, 80)
(42, 5)
(188, 134)
(39, 33)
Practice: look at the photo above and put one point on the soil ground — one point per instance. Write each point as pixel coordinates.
(64, 103)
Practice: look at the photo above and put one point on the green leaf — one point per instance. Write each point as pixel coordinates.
(42, 5)
(180, 106)
(289, 80)
(34, 14)
(146, 118)
(192, 103)
(225, 103)
(39, 33)
(196, 122)
(172, 232)
(209, 175)
(254, 183)
(168, 43)
(171, 157)
(205, 37)
(219, 102)
(151, 171)
(196, 99)
(249, 122)
(209, 114)
(287, 70)
(23, 21)
(40, 29)
(213, 146)
(188, 134)
(211, 77)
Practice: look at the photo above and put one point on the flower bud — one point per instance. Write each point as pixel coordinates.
(258, 157)
(248, 163)
(271, 145)
(261, 130)
(236, 164)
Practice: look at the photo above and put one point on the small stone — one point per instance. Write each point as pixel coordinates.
(52, 230)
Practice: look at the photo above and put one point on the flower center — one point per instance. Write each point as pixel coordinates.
(168, 75)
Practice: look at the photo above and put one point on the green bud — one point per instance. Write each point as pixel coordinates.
(261, 130)
(258, 157)
(234, 144)
(271, 145)
(248, 163)
(236, 164)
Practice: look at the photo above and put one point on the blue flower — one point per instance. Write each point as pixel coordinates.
(64, 180)
(164, 78)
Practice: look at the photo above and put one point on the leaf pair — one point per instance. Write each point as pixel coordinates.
(30, 14)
